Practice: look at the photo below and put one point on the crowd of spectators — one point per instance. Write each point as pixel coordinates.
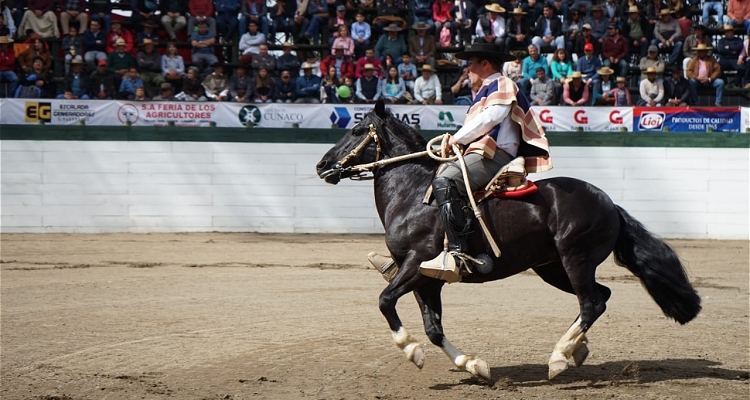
(569, 52)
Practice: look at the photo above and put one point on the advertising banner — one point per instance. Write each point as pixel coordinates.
(589, 119)
(681, 119)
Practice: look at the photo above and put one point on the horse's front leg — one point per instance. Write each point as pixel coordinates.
(404, 282)
(428, 297)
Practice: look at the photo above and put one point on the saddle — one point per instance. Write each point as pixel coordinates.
(509, 182)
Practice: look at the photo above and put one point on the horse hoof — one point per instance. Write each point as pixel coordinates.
(557, 367)
(580, 353)
(480, 369)
(416, 355)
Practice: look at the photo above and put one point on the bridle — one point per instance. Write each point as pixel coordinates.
(372, 134)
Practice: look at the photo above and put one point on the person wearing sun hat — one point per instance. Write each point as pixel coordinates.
(698, 36)
(729, 49)
(390, 44)
(676, 88)
(651, 90)
(668, 34)
(518, 32)
(576, 90)
(598, 22)
(704, 71)
(652, 60)
(491, 25)
(635, 29)
(499, 126)
(601, 88)
(307, 86)
(368, 86)
(422, 46)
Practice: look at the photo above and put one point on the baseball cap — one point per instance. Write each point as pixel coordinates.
(102, 62)
(588, 47)
(341, 8)
(653, 48)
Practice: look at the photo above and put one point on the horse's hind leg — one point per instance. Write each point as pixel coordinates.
(428, 297)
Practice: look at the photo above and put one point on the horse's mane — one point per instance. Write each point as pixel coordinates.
(405, 134)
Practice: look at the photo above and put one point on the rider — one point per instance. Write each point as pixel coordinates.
(499, 126)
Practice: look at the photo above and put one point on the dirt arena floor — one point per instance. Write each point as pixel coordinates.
(251, 316)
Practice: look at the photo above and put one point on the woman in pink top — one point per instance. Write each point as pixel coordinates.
(441, 13)
(344, 40)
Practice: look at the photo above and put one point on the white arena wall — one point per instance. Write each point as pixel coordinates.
(95, 187)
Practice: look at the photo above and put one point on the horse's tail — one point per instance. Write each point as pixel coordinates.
(658, 267)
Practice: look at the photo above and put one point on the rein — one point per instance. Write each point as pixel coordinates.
(368, 167)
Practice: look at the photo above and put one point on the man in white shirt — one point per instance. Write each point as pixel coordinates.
(427, 89)
(491, 26)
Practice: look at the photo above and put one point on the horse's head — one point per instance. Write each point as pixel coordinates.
(360, 145)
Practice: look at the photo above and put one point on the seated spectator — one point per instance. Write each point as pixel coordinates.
(542, 90)
(621, 93)
(427, 89)
(576, 90)
(743, 59)
(652, 60)
(95, 42)
(148, 31)
(443, 17)
(588, 65)
(149, 65)
(651, 90)
(102, 82)
(676, 89)
(560, 68)
(173, 16)
(203, 47)
(343, 40)
(737, 15)
(422, 12)
(603, 87)
(166, 93)
(300, 24)
(461, 89)
(584, 40)
(330, 86)
(717, 7)
(312, 59)
(339, 61)
(317, 13)
(101, 11)
(37, 84)
(173, 67)
(76, 81)
(40, 17)
(530, 64)
(368, 86)
(263, 86)
(285, 89)
(129, 83)
(635, 30)
(518, 32)
(282, 20)
(226, 19)
(704, 71)
(548, 30)
(142, 11)
(73, 10)
(240, 85)
(201, 11)
(615, 51)
(5, 29)
(216, 84)
(514, 69)
(263, 59)
(39, 49)
(8, 65)
(491, 26)
(250, 42)
(369, 58)
(390, 44)
(597, 22)
(307, 86)
(120, 62)
(698, 36)
(572, 29)
(533, 9)
(72, 47)
(393, 89)
(140, 94)
(348, 88)
(422, 47)
(192, 88)
(668, 34)
(407, 71)
(118, 33)
(361, 33)
(729, 50)
(257, 11)
(612, 11)
(334, 25)
(288, 61)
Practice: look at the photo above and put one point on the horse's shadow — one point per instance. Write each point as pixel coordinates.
(607, 374)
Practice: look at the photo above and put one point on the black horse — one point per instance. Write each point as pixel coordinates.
(562, 232)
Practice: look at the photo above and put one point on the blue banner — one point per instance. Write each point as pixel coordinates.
(680, 119)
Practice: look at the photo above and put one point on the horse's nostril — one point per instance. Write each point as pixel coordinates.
(322, 164)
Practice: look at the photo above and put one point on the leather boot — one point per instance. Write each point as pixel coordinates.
(452, 214)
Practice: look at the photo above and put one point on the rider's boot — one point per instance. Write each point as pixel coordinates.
(454, 218)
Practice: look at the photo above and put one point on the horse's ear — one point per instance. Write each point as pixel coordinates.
(380, 108)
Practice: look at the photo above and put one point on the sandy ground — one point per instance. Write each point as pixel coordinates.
(250, 316)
